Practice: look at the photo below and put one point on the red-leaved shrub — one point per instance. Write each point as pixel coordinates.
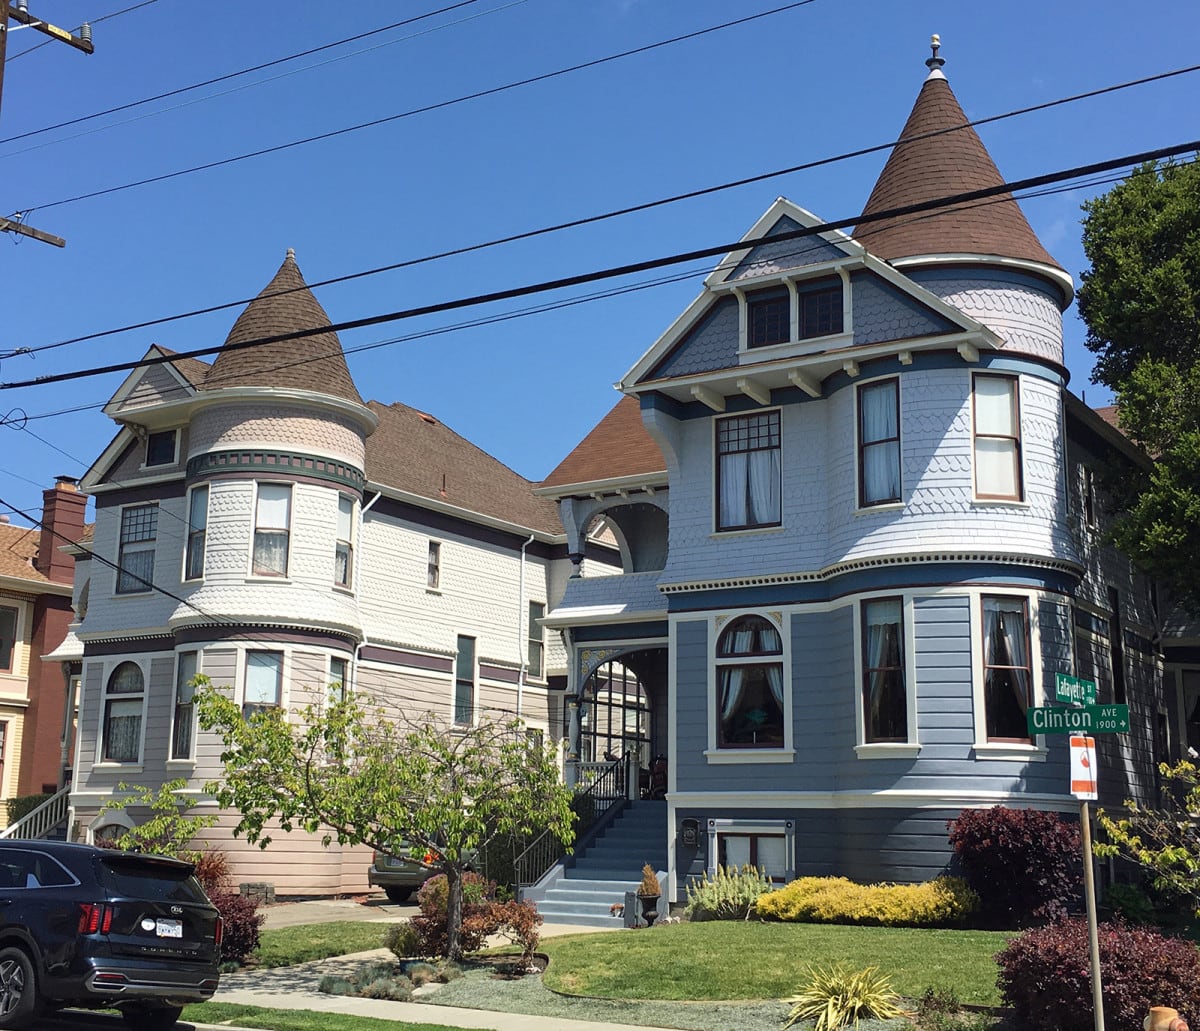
(212, 871)
(1045, 976)
(482, 916)
(1024, 864)
(242, 921)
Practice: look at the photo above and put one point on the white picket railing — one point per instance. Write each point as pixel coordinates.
(42, 820)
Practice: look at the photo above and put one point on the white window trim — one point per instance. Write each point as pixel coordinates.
(16, 667)
(146, 450)
(187, 532)
(352, 543)
(1006, 750)
(441, 553)
(243, 657)
(330, 680)
(285, 576)
(143, 663)
(474, 722)
(779, 828)
(539, 677)
(794, 280)
(1022, 501)
(749, 756)
(883, 506)
(887, 749)
(717, 533)
(190, 758)
(141, 592)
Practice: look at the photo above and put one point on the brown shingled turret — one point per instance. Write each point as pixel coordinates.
(925, 169)
(306, 363)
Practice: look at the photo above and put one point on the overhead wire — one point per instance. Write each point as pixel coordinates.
(1079, 171)
(620, 212)
(90, 21)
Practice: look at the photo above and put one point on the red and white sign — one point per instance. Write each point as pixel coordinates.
(1083, 767)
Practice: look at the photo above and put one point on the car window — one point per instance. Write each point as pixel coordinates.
(145, 878)
(22, 868)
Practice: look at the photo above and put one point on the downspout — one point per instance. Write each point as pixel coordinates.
(521, 641)
(357, 567)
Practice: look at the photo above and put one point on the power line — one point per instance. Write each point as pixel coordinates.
(234, 75)
(479, 94)
(618, 212)
(933, 204)
(92, 21)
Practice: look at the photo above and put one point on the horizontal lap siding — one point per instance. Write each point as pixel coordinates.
(822, 682)
(691, 704)
(893, 844)
(942, 662)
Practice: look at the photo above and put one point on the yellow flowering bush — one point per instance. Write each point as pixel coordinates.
(836, 900)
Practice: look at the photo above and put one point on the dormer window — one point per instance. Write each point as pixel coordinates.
(160, 448)
(800, 311)
(820, 308)
(768, 318)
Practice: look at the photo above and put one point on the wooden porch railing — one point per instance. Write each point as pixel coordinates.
(41, 821)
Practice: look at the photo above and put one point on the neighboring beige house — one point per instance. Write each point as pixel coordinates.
(264, 525)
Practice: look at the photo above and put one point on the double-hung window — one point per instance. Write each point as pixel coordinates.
(272, 526)
(8, 637)
(537, 645)
(185, 708)
(433, 574)
(135, 558)
(338, 679)
(124, 695)
(1007, 672)
(748, 488)
(197, 533)
(884, 700)
(264, 682)
(750, 685)
(464, 682)
(997, 437)
(343, 555)
(879, 443)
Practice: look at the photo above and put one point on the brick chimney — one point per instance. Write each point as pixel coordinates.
(63, 508)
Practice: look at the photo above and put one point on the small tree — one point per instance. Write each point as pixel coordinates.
(1164, 842)
(169, 831)
(369, 776)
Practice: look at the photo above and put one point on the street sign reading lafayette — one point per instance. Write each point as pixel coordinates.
(1088, 719)
(1074, 689)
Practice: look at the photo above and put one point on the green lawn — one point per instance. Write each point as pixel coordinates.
(296, 1020)
(740, 960)
(286, 946)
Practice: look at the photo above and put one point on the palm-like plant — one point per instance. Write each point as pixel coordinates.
(835, 996)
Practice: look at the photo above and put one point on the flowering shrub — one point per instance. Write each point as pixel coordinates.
(1023, 863)
(242, 921)
(730, 894)
(1044, 976)
(836, 900)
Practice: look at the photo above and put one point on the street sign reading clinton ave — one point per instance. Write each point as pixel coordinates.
(1089, 719)
(1074, 689)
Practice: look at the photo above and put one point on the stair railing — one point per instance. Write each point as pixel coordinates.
(39, 822)
(598, 788)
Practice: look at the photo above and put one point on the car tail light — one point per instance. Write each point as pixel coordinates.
(95, 917)
(218, 931)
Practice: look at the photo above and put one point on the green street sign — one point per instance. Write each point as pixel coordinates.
(1088, 719)
(1074, 689)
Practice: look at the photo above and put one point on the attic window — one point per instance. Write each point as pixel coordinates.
(779, 314)
(768, 318)
(160, 448)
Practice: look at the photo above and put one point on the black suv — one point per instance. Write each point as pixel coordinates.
(99, 928)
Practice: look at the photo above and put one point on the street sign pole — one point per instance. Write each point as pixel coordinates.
(1089, 892)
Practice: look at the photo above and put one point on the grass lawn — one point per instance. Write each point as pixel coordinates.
(286, 946)
(296, 1020)
(740, 960)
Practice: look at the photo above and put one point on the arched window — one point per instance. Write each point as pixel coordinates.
(750, 685)
(123, 698)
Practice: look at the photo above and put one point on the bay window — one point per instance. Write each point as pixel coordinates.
(748, 468)
(750, 710)
(997, 437)
(1007, 672)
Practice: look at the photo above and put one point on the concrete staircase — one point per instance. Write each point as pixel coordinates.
(583, 887)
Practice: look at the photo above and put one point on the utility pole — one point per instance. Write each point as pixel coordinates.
(81, 42)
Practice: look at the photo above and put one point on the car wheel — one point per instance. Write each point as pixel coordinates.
(18, 989)
(151, 1018)
(398, 894)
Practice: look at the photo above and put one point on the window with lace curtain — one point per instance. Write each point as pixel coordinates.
(997, 437)
(272, 528)
(343, 554)
(879, 443)
(750, 708)
(885, 702)
(748, 471)
(124, 695)
(1007, 672)
(135, 556)
(185, 709)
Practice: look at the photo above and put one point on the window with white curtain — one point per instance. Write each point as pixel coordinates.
(766, 852)
(750, 685)
(997, 437)
(879, 442)
(197, 533)
(748, 465)
(185, 709)
(272, 525)
(343, 555)
(264, 682)
(1007, 671)
(885, 702)
(135, 557)
(124, 695)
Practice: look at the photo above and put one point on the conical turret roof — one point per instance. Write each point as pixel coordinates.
(314, 362)
(922, 169)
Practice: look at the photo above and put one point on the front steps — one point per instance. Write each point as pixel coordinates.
(584, 892)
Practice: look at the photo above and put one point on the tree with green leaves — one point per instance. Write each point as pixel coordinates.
(1140, 300)
(364, 774)
(169, 831)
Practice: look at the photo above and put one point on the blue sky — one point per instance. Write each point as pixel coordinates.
(825, 78)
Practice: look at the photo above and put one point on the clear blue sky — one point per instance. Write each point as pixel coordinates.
(828, 77)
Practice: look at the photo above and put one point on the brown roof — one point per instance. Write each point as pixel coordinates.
(1109, 415)
(414, 452)
(193, 370)
(618, 446)
(18, 546)
(955, 162)
(307, 363)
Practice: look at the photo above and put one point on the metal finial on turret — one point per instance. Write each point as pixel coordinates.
(291, 253)
(935, 63)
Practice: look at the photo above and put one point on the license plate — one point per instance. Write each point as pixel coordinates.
(168, 928)
(396, 862)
